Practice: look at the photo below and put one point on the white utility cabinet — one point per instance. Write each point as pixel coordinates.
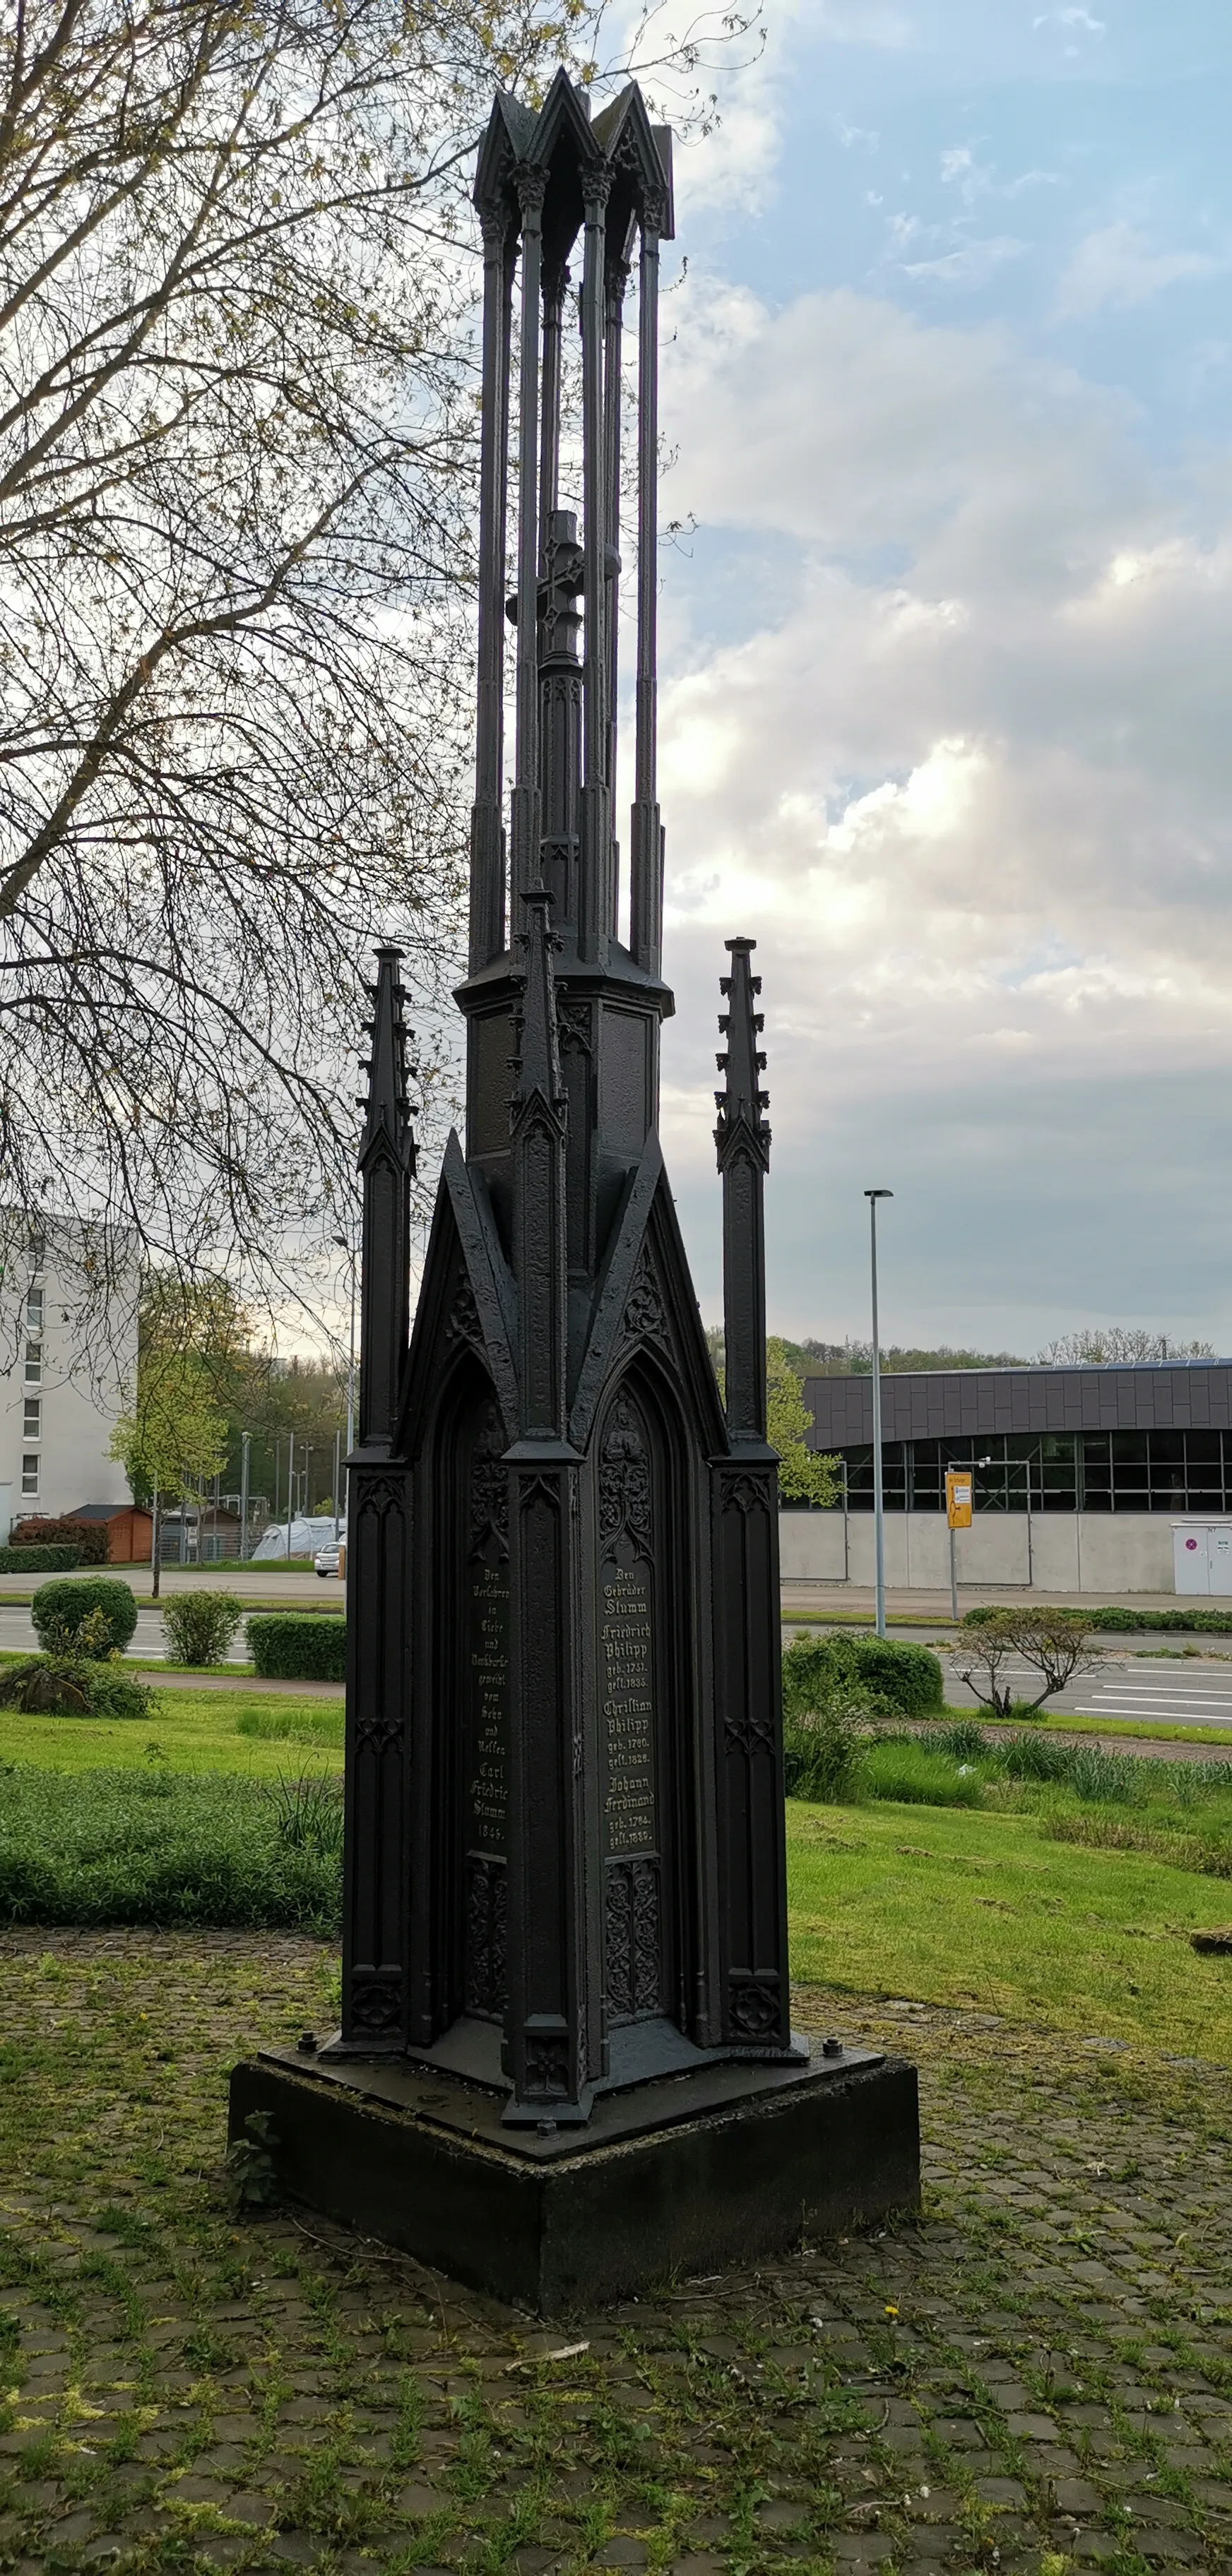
(1202, 1556)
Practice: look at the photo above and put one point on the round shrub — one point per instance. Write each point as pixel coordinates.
(200, 1626)
(62, 1611)
(904, 1680)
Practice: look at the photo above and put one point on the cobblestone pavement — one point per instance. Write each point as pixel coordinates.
(1038, 2376)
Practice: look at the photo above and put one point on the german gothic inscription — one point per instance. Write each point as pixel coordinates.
(627, 1666)
(487, 1719)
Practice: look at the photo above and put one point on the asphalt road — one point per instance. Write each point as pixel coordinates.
(1150, 1688)
(17, 1635)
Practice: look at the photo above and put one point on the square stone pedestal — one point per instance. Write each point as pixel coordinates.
(691, 2172)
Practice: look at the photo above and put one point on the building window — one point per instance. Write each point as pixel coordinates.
(32, 1427)
(34, 1363)
(30, 1473)
(34, 1310)
(1054, 1471)
(38, 1251)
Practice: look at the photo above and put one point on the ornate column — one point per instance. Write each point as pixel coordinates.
(617, 280)
(748, 1679)
(531, 187)
(595, 907)
(646, 837)
(546, 2024)
(379, 1562)
(555, 281)
(487, 918)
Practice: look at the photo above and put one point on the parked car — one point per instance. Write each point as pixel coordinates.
(330, 1558)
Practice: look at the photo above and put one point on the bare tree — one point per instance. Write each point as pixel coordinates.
(987, 1655)
(237, 442)
(1106, 1346)
(1054, 1643)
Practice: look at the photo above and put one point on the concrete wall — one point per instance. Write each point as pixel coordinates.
(1056, 1552)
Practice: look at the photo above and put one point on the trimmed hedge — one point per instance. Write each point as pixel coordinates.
(1121, 1622)
(44, 1530)
(905, 1678)
(59, 1611)
(39, 1560)
(303, 1646)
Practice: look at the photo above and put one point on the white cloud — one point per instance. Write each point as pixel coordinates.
(977, 815)
(1079, 18)
(1116, 269)
(972, 264)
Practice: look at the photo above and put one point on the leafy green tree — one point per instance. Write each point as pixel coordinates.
(174, 1435)
(805, 1476)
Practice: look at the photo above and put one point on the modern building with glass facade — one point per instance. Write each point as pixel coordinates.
(1079, 1473)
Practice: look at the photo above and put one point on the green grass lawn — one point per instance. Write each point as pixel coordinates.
(981, 1911)
(192, 1731)
(976, 1909)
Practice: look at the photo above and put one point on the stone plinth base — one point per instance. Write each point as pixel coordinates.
(686, 2174)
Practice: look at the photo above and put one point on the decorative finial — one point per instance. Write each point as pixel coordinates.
(386, 1103)
(741, 1103)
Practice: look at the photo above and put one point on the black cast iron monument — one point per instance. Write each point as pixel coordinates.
(566, 2062)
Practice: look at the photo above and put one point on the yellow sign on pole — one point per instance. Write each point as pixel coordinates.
(958, 1497)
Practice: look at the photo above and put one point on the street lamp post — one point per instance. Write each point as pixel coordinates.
(878, 1483)
(245, 1446)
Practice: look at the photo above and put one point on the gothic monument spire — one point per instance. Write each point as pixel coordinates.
(566, 2062)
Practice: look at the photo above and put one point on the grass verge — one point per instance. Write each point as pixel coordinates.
(238, 1732)
(150, 1847)
(985, 1912)
(1063, 1722)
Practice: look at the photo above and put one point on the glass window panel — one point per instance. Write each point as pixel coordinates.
(927, 1476)
(1166, 1448)
(1128, 1446)
(859, 1465)
(1204, 1448)
(34, 1363)
(32, 1424)
(30, 1475)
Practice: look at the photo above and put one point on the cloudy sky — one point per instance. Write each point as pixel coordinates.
(947, 686)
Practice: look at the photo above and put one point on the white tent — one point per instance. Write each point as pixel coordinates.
(306, 1537)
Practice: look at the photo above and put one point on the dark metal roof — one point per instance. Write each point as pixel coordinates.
(941, 1404)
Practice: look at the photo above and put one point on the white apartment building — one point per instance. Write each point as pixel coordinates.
(68, 1368)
